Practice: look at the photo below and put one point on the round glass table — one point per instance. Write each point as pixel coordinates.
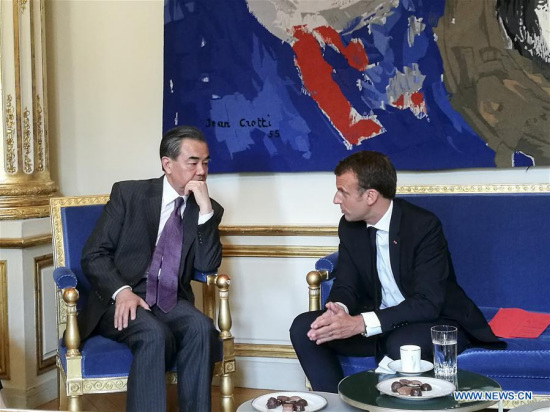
(360, 391)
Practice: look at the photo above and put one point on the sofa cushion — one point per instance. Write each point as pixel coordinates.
(103, 358)
(523, 366)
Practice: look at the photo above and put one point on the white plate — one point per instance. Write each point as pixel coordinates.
(314, 402)
(425, 366)
(439, 388)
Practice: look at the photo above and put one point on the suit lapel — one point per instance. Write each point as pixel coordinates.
(395, 243)
(152, 205)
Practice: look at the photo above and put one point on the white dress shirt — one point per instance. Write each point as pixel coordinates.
(169, 196)
(391, 295)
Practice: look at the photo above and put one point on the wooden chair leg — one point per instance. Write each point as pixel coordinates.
(226, 393)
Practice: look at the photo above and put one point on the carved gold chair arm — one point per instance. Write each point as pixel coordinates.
(314, 279)
(71, 335)
(226, 367)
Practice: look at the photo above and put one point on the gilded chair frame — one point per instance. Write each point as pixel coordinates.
(71, 383)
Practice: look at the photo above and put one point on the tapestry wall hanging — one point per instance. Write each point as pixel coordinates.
(296, 85)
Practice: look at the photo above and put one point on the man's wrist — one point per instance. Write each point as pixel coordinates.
(120, 290)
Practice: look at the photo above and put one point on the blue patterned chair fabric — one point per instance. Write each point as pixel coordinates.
(73, 220)
(500, 247)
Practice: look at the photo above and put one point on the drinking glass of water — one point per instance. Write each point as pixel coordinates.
(444, 338)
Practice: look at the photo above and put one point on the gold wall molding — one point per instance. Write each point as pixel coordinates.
(276, 251)
(26, 242)
(278, 230)
(4, 336)
(474, 189)
(43, 365)
(265, 350)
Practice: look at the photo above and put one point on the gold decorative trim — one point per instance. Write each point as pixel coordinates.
(4, 336)
(10, 133)
(265, 350)
(474, 189)
(23, 4)
(26, 242)
(43, 190)
(42, 365)
(24, 213)
(56, 203)
(27, 162)
(40, 141)
(276, 251)
(278, 231)
(104, 385)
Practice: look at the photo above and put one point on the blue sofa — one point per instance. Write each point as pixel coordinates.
(499, 239)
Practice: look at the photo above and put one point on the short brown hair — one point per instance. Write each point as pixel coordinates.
(373, 170)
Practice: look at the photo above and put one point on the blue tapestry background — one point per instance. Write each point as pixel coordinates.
(229, 76)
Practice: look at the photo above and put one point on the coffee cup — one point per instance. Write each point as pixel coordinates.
(410, 358)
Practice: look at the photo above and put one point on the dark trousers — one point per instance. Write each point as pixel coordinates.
(320, 362)
(184, 337)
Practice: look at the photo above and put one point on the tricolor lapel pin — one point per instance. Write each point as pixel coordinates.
(395, 242)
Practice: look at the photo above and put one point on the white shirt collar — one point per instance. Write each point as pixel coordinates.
(384, 222)
(169, 194)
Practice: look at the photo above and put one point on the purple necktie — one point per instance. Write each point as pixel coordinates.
(162, 276)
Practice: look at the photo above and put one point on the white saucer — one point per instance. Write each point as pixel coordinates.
(425, 366)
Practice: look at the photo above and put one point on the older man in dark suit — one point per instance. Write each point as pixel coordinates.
(395, 279)
(140, 258)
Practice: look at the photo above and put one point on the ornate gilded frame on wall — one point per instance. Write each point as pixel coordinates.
(42, 364)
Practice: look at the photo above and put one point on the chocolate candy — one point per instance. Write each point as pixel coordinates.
(426, 387)
(404, 390)
(301, 402)
(272, 403)
(395, 386)
(416, 391)
(408, 387)
(289, 403)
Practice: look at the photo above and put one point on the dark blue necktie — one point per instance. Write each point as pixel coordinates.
(162, 276)
(373, 252)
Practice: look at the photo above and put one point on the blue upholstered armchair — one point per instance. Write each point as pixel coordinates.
(101, 365)
(499, 239)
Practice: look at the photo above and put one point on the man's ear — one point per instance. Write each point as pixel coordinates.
(166, 164)
(372, 196)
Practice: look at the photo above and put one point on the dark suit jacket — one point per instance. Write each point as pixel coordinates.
(422, 268)
(119, 250)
